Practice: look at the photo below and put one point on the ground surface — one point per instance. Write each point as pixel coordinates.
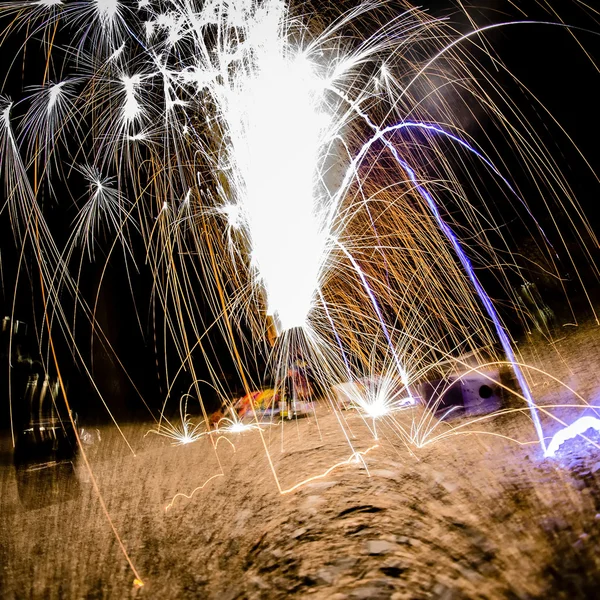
(466, 516)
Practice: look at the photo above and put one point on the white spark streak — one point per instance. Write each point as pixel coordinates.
(6, 118)
(131, 109)
(107, 10)
(48, 3)
(54, 92)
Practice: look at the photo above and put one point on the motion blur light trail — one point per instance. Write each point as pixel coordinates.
(577, 428)
(464, 260)
(333, 186)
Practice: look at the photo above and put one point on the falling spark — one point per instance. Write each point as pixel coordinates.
(190, 496)
(304, 178)
(355, 458)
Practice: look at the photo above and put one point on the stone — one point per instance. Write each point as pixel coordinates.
(298, 533)
(325, 576)
(443, 592)
(378, 547)
(345, 563)
(373, 590)
(259, 582)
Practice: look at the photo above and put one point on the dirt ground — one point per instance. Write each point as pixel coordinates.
(472, 514)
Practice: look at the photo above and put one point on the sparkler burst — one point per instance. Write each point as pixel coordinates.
(328, 187)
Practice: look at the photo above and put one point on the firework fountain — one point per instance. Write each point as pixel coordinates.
(239, 118)
(302, 171)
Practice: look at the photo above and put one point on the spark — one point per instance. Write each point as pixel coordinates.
(105, 209)
(181, 434)
(131, 109)
(190, 495)
(138, 137)
(54, 92)
(117, 53)
(314, 190)
(6, 105)
(233, 214)
(107, 11)
(379, 396)
(226, 425)
(355, 458)
(184, 431)
(278, 207)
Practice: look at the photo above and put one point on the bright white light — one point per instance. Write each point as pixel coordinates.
(235, 427)
(376, 409)
(107, 10)
(6, 117)
(131, 109)
(180, 434)
(117, 53)
(48, 3)
(577, 428)
(238, 428)
(137, 137)
(53, 95)
(149, 29)
(104, 208)
(233, 214)
(378, 396)
(278, 127)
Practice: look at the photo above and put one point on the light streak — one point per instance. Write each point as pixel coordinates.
(54, 93)
(191, 494)
(381, 397)
(277, 206)
(456, 245)
(131, 109)
(277, 107)
(485, 299)
(259, 160)
(356, 457)
(186, 433)
(577, 428)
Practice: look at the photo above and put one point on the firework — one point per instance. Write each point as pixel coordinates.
(303, 175)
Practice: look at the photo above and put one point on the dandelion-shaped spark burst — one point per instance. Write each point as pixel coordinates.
(184, 431)
(309, 169)
(103, 209)
(381, 396)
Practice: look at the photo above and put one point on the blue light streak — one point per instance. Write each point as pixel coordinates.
(577, 428)
(380, 134)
